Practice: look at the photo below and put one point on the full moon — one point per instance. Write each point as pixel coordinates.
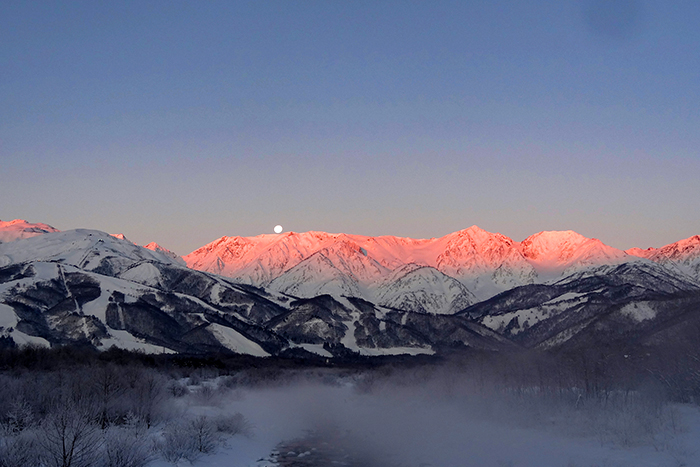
(278, 229)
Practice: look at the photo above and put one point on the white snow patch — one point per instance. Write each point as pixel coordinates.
(348, 339)
(125, 340)
(145, 273)
(233, 340)
(46, 269)
(380, 312)
(639, 312)
(98, 307)
(130, 299)
(215, 293)
(8, 318)
(529, 315)
(21, 338)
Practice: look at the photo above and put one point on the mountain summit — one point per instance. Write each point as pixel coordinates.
(484, 263)
(19, 228)
(555, 252)
(682, 256)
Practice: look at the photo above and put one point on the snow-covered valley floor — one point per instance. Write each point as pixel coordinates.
(446, 425)
(284, 415)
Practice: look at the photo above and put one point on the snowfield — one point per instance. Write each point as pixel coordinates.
(443, 424)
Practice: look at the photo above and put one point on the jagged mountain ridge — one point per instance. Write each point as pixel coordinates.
(683, 256)
(484, 263)
(155, 247)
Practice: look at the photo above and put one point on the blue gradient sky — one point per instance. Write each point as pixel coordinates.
(180, 122)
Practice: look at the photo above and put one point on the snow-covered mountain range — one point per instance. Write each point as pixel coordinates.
(89, 287)
(464, 267)
(334, 294)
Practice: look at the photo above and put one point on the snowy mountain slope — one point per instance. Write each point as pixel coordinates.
(62, 304)
(20, 229)
(153, 246)
(485, 262)
(610, 302)
(85, 249)
(423, 289)
(358, 326)
(393, 252)
(316, 275)
(641, 274)
(474, 251)
(257, 260)
(355, 261)
(129, 288)
(343, 268)
(555, 253)
(682, 256)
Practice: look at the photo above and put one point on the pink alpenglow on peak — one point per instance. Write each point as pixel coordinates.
(485, 263)
(19, 228)
(153, 246)
(121, 236)
(474, 250)
(641, 253)
(682, 256)
(553, 245)
(554, 252)
(681, 250)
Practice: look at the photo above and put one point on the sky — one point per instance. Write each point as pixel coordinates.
(181, 122)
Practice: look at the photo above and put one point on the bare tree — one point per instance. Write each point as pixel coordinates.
(204, 434)
(70, 436)
(177, 444)
(149, 393)
(108, 387)
(124, 447)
